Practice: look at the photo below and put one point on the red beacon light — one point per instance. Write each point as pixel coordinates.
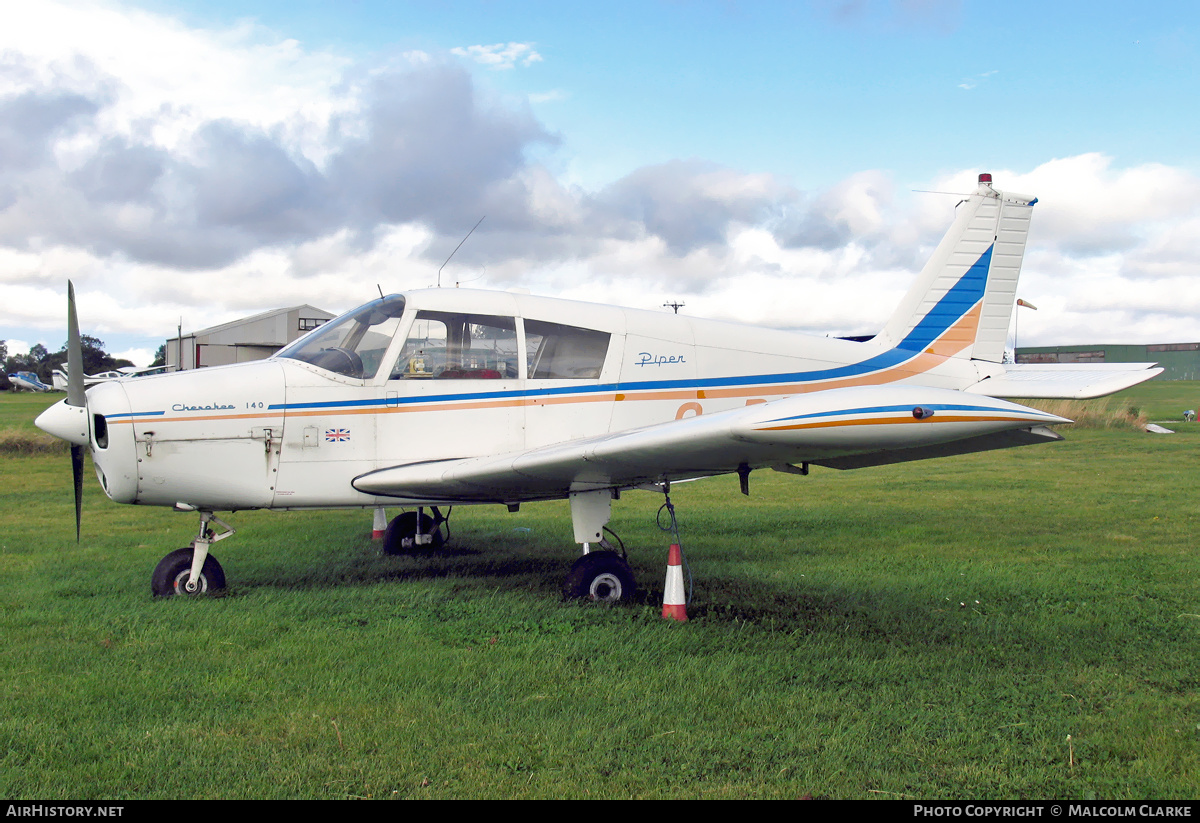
(985, 178)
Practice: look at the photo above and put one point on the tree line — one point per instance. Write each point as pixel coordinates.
(43, 362)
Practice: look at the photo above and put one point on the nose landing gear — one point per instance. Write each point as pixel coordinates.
(192, 571)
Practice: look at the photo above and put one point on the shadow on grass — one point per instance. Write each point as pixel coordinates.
(859, 607)
(364, 564)
(855, 613)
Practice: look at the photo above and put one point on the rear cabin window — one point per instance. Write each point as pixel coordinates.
(557, 352)
(450, 346)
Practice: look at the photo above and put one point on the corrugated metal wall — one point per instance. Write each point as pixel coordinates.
(1180, 361)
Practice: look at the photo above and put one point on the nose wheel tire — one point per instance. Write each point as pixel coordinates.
(172, 572)
(602, 576)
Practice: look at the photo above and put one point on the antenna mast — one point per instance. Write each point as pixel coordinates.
(456, 248)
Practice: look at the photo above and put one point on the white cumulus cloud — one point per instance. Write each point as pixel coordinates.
(210, 174)
(500, 56)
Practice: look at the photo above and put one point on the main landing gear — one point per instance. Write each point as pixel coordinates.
(413, 532)
(192, 570)
(599, 575)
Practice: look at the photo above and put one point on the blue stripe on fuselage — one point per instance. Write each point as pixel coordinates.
(133, 414)
(885, 360)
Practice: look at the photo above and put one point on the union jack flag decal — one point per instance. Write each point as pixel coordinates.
(337, 435)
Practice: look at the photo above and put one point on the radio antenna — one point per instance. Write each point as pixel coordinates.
(456, 248)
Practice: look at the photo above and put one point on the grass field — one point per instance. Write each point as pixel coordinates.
(1018, 624)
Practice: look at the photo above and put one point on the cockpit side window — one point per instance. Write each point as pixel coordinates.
(555, 351)
(353, 344)
(458, 346)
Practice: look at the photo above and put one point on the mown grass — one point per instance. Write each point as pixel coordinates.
(1165, 400)
(930, 630)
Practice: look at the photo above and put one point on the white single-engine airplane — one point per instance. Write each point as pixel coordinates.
(61, 381)
(440, 397)
(27, 381)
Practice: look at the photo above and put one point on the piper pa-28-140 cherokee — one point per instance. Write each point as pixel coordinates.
(454, 396)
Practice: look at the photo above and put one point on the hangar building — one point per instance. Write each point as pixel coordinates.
(251, 338)
(1180, 361)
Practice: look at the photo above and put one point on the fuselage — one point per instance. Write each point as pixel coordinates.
(452, 373)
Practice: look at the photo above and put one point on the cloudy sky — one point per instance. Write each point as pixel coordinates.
(197, 161)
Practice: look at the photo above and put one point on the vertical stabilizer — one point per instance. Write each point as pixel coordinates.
(962, 302)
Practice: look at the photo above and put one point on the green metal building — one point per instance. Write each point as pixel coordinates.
(1180, 361)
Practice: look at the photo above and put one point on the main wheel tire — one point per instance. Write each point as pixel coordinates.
(602, 576)
(404, 527)
(172, 573)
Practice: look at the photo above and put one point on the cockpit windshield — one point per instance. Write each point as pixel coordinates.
(353, 344)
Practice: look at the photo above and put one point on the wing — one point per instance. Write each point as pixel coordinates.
(842, 428)
(1070, 381)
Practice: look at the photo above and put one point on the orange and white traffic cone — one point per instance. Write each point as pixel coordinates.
(674, 600)
(380, 524)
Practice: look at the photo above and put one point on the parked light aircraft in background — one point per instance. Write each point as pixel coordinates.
(27, 381)
(61, 381)
(452, 396)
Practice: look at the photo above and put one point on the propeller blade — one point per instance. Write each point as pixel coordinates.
(75, 389)
(77, 475)
(75, 397)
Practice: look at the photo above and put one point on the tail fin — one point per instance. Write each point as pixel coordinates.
(962, 302)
